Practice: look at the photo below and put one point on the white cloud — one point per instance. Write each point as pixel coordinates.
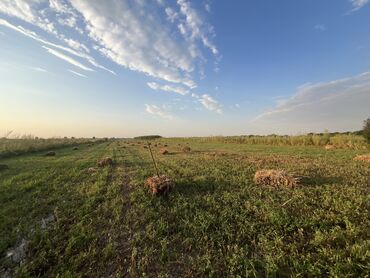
(168, 88)
(358, 4)
(209, 103)
(337, 105)
(134, 36)
(194, 26)
(77, 73)
(155, 110)
(139, 35)
(39, 69)
(67, 59)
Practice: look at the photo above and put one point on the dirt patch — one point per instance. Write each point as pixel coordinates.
(275, 178)
(45, 222)
(18, 253)
(160, 186)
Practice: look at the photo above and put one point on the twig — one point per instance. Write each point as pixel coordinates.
(151, 154)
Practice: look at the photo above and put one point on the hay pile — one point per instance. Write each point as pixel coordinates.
(329, 147)
(160, 186)
(364, 158)
(50, 154)
(275, 178)
(164, 151)
(4, 167)
(105, 162)
(186, 149)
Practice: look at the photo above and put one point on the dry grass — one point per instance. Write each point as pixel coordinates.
(92, 170)
(105, 162)
(364, 158)
(164, 151)
(160, 185)
(329, 147)
(275, 178)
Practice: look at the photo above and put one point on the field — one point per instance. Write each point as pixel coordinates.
(64, 222)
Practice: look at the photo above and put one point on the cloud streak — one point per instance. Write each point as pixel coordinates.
(168, 88)
(77, 73)
(67, 59)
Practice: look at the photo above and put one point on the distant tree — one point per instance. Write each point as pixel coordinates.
(366, 129)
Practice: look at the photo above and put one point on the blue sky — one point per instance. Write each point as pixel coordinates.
(183, 68)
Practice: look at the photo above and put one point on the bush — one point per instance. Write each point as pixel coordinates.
(366, 129)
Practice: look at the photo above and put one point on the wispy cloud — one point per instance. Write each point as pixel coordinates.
(67, 59)
(167, 88)
(333, 104)
(358, 4)
(155, 110)
(38, 38)
(39, 69)
(77, 73)
(209, 103)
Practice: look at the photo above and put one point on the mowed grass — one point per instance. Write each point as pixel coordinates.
(215, 223)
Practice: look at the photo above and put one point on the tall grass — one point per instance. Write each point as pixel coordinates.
(28, 143)
(351, 141)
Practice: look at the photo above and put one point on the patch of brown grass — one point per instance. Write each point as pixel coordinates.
(275, 178)
(186, 149)
(105, 162)
(160, 185)
(329, 147)
(364, 158)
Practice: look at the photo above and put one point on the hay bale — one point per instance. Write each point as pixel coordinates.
(105, 162)
(50, 153)
(164, 151)
(275, 178)
(186, 149)
(329, 147)
(92, 170)
(75, 149)
(363, 158)
(4, 167)
(160, 186)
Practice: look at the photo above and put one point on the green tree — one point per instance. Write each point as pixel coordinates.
(366, 129)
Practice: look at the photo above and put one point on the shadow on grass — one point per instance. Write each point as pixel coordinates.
(320, 180)
(195, 188)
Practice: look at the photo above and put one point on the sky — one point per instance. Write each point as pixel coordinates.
(123, 68)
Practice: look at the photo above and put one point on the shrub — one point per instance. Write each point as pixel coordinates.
(366, 129)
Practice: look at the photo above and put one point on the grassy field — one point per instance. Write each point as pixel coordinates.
(216, 222)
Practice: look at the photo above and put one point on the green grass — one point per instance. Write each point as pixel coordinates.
(215, 223)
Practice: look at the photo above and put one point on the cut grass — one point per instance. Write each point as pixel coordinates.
(216, 222)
